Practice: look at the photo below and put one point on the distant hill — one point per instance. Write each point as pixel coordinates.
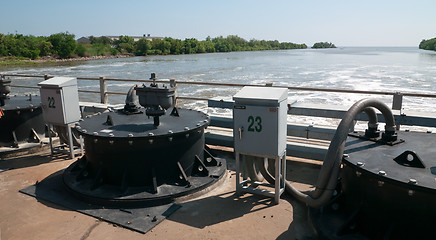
(323, 45)
(429, 44)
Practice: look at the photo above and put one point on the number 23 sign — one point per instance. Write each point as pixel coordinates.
(255, 124)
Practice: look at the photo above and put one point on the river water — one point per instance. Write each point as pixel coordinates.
(361, 68)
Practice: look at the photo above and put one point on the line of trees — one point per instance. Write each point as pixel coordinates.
(63, 45)
(126, 45)
(429, 44)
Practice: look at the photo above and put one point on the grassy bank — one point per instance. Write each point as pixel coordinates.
(15, 61)
(21, 61)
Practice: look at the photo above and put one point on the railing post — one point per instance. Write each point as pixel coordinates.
(173, 84)
(103, 90)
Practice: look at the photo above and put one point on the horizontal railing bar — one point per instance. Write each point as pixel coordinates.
(192, 98)
(338, 112)
(362, 92)
(88, 91)
(427, 95)
(20, 86)
(118, 93)
(87, 78)
(22, 75)
(115, 93)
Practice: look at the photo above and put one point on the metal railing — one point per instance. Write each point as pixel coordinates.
(310, 151)
(397, 96)
(104, 93)
(296, 109)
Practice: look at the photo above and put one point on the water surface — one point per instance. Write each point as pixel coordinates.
(359, 68)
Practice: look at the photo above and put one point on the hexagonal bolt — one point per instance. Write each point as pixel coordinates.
(413, 181)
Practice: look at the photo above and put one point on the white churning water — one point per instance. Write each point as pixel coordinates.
(390, 69)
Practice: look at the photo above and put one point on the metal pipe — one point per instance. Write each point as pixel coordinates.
(262, 164)
(328, 177)
(330, 168)
(334, 154)
(372, 119)
(252, 169)
(372, 115)
(131, 98)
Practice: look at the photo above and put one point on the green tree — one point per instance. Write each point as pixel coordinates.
(81, 50)
(200, 47)
(3, 45)
(142, 47)
(429, 44)
(209, 46)
(63, 44)
(125, 44)
(190, 45)
(221, 45)
(45, 47)
(101, 40)
(176, 45)
(163, 46)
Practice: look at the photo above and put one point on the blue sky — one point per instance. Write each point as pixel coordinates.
(345, 23)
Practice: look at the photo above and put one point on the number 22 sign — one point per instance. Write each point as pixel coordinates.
(51, 102)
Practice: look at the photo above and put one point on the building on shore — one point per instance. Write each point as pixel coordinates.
(83, 40)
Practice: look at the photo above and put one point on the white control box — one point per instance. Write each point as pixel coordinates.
(60, 100)
(260, 121)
